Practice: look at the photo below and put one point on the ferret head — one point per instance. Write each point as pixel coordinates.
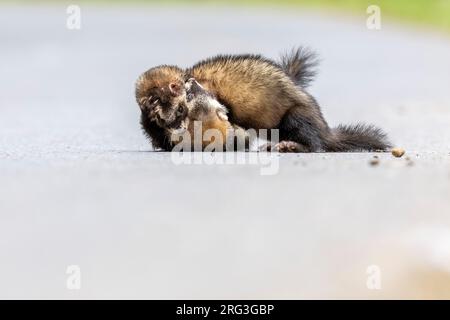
(161, 96)
(202, 106)
(202, 103)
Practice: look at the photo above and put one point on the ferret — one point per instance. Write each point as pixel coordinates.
(260, 94)
(206, 124)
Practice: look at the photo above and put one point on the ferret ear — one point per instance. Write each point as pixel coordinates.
(175, 88)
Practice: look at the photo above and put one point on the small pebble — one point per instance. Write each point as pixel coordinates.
(398, 152)
(374, 162)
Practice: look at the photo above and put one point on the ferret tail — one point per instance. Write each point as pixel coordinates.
(299, 64)
(359, 137)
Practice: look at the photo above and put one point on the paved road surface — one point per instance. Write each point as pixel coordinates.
(79, 185)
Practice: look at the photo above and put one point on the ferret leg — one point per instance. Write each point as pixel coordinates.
(306, 127)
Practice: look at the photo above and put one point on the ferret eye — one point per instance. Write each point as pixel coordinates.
(180, 109)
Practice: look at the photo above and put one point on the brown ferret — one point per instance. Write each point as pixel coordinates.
(259, 94)
(206, 125)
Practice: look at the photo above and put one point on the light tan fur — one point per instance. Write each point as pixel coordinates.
(257, 93)
(212, 115)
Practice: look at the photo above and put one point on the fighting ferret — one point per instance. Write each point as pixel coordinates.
(260, 94)
(206, 125)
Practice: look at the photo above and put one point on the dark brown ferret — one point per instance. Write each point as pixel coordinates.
(259, 94)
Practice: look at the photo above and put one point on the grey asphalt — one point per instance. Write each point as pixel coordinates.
(79, 184)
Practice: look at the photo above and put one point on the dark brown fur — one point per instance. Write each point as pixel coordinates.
(259, 94)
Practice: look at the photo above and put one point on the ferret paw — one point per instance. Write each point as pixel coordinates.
(288, 147)
(283, 147)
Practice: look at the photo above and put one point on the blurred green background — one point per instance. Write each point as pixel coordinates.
(430, 12)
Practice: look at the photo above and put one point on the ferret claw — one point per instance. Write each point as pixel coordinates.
(288, 147)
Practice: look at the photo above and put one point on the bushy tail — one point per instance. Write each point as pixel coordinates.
(359, 137)
(299, 65)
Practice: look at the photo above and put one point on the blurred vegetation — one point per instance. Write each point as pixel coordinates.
(428, 12)
(431, 12)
